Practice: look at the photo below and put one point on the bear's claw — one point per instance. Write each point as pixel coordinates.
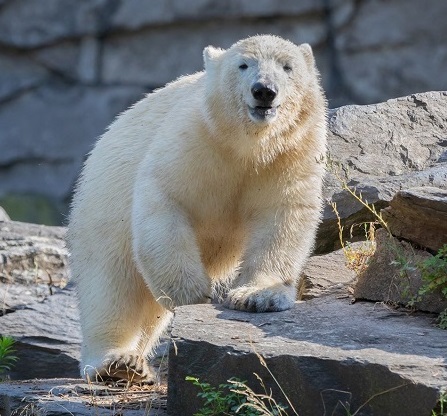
(128, 368)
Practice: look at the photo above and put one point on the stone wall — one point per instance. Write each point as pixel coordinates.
(68, 67)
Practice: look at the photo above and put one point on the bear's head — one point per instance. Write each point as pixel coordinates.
(260, 81)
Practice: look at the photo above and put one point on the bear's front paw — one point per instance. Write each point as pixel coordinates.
(260, 299)
(127, 367)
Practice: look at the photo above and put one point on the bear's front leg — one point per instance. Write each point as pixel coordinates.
(277, 250)
(166, 251)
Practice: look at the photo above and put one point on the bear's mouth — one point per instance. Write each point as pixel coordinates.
(262, 113)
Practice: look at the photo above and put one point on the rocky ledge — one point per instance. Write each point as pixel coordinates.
(325, 353)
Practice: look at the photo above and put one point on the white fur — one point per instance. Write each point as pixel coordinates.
(185, 190)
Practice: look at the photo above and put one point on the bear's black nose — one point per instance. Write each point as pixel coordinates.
(265, 93)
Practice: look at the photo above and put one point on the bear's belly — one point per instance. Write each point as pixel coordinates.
(221, 245)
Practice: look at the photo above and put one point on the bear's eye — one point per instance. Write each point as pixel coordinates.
(243, 66)
(287, 68)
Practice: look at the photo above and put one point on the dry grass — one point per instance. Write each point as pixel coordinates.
(357, 258)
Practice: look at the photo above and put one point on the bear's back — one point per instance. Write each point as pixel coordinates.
(103, 195)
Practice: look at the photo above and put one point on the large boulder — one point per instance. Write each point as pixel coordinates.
(419, 215)
(39, 307)
(324, 352)
(378, 150)
(394, 276)
(48, 337)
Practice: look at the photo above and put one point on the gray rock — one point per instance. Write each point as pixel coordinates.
(27, 24)
(63, 58)
(177, 50)
(322, 351)
(326, 274)
(73, 397)
(391, 138)
(47, 337)
(394, 276)
(33, 263)
(420, 216)
(133, 14)
(19, 230)
(37, 313)
(385, 147)
(47, 151)
(18, 74)
(392, 50)
(77, 60)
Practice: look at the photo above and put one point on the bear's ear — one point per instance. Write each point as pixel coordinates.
(211, 54)
(306, 50)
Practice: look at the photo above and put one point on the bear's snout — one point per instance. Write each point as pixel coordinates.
(264, 93)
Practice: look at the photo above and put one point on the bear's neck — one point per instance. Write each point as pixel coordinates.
(259, 144)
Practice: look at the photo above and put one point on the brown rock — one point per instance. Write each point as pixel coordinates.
(393, 275)
(326, 274)
(419, 215)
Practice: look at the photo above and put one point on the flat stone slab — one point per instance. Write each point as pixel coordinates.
(63, 397)
(48, 337)
(419, 215)
(323, 352)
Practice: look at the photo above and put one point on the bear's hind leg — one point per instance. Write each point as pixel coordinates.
(117, 339)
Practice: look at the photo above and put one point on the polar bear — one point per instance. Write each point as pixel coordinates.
(214, 178)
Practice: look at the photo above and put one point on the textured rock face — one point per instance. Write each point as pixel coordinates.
(375, 49)
(38, 308)
(393, 276)
(33, 263)
(420, 216)
(398, 144)
(44, 154)
(47, 337)
(326, 274)
(322, 351)
(68, 70)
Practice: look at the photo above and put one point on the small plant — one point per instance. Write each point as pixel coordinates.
(442, 319)
(342, 173)
(434, 273)
(221, 400)
(357, 258)
(7, 357)
(441, 407)
(236, 398)
(434, 277)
